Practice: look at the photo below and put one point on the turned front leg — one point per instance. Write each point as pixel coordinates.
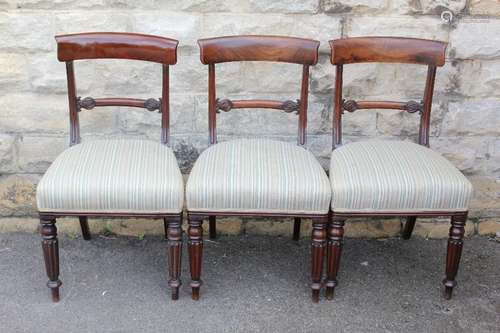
(50, 248)
(195, 245)
(174, 236)
(317, 253)
(334, 252)
(454, 252)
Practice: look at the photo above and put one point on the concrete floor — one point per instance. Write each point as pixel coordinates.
(252, 284)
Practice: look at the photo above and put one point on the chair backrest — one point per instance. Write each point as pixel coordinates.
(258, 48)
(389, 50)
(107, 45)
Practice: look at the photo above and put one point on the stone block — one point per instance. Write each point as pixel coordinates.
(372, 228)
(36, 153)
(353, 6)
(320, 26)
(485, 197)
(19, 224)
(17, 195)
(417, 27)
(472, 117)
(14, 74)
(284, 6)
(438, 228)
(475, 39)
(25, 32)
(489, 227)
(479, 78)
(272, 227)
(226, 226)
(185, 27)
(484, 7)
(438, 6)
(7, 153)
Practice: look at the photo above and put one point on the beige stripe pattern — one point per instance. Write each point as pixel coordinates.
(258, 176)
(395, 176)
(113, 176)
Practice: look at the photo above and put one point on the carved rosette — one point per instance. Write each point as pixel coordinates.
(291, 106)
(152, 104)
(87, 103)
(413, 107)
(223, 104)
(349, 105)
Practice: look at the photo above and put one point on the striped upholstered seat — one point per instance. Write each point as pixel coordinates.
(258, 176)
(395, 176)
(113, 176)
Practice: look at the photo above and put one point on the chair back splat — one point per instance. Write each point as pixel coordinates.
(258, 48)
(388, 50)
(107, 45)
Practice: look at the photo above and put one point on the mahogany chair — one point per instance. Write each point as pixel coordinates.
(257, 177)
(113, 178)
(392, 178)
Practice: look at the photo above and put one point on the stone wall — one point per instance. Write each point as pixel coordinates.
(33, 102)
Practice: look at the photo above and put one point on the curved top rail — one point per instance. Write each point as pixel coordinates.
(258, 48)
(100, 45)
(388, 49)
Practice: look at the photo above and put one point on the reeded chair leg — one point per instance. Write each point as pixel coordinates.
(408, 227)
(318, 245)
(296, 229)
(212, 227)
(50, 247)
(454, 252)
(334, 252)
(84, 225)
(195, 246)
(174, 236)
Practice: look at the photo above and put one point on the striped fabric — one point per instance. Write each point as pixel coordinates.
(393, 176)
(258, 176)
(113, 176)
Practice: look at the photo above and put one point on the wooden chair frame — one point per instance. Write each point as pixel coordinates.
(390, 50)
(117, 46)
(257, 48)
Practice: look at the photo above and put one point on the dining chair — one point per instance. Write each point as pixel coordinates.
(392, 178)
(257, 177)
(113, 177)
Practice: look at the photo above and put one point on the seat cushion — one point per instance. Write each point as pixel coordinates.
(395, 176)
(113, 176)
(258, 176)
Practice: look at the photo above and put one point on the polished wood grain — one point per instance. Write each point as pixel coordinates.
(195, 249)
(258, 48)
(119, 46)
(174, 237)
(50, 246)
(227, 105)
(117, 101)
(318, 247)
(387, 49)
(334, 252)
(391, 50)
(103, 45)
(454, 252)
